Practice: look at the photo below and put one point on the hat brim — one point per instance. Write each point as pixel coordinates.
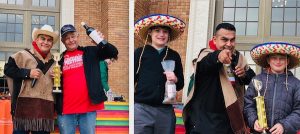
(37, 32)
(142, 26)
(260, 52)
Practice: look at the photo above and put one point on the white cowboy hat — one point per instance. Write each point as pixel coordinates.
(46, 30)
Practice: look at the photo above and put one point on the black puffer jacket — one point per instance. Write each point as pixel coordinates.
(282, 105)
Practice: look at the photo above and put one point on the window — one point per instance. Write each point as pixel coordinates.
(11, 27)
(259, 21)
(243, 14)
(249, 60)
(13, 2)
(43, 3)
(40, 20)
(285, 19)
(3, 58)
(19, 17)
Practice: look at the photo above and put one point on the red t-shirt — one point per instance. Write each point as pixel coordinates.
(75, 93)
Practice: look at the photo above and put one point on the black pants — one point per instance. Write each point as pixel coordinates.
(32, 132)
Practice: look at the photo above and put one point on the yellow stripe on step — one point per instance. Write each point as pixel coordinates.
(178, 114)
(115, 103)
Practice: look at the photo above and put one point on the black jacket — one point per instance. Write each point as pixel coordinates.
(150, 80)
(91, 57)
(208, 103)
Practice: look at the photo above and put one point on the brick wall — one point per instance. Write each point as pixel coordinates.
(118, 27)
(112, 21)
(141, 8)
(177, 8)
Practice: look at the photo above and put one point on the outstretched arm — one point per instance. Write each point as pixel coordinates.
(209, 63)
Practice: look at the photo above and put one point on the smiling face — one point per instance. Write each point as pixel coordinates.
(278, 63)
(159, 36)
(70, 40)
(224, 39)
(44, 43)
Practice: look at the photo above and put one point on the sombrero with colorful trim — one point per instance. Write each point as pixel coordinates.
(260, 52)
(142, 25)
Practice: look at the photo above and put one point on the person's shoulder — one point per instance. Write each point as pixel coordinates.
(260, 76)
(20, 54)
(294, 79)
(173, 51)
(138, 49)
(24, 51)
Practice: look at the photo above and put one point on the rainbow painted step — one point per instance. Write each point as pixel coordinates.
(179, 121)
(114, 119)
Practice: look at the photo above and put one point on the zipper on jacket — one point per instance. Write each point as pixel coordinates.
(273, 101)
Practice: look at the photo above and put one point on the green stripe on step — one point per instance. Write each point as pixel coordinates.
(112, 123)
(179, 121)
(114, 107)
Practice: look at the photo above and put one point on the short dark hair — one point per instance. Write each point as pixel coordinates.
(226, 26)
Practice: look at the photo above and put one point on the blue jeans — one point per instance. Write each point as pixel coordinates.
(67, 123)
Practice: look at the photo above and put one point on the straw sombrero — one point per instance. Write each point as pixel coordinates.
(46, 30)
(260, 52)
(142, 25)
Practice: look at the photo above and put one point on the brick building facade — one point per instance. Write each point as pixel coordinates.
(108, 17)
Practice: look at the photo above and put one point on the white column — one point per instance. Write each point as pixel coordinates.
(197, 36)
(67, 16)
(131, 66)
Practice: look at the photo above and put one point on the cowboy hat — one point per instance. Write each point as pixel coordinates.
(142, 25)
(46, 30)
(260, 52)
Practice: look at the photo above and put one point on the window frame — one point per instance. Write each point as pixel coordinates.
(27, 10)
(264, 26)
(246, 43)
(15, 44)
(241, 38)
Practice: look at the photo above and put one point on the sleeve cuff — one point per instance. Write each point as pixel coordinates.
(26, 73)
(217, 52)
(103, 42)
